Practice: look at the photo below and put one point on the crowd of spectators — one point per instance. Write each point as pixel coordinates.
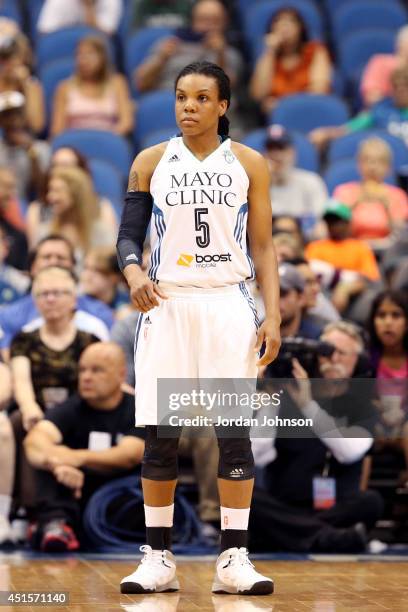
(67, 325)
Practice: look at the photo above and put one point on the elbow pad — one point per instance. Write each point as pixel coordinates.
(135, 220)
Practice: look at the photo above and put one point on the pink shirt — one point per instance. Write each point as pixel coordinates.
(84, 112)
(377, 75)
(370, 219)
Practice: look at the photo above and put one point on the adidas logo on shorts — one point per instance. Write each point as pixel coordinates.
(173, 158)
(148, 321)
(236, 472)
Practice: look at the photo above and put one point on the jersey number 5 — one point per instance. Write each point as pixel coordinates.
(203, 240)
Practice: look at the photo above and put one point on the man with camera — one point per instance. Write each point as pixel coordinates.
(312, 498)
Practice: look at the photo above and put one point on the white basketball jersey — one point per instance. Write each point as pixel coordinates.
(198, 226)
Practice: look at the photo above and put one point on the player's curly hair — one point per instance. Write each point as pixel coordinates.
(224, 86)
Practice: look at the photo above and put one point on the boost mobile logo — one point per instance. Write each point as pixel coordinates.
(185, 260)
(202, 261)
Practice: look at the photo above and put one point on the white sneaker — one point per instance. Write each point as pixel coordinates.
(234, 573)
(155, 574)
(6, 534)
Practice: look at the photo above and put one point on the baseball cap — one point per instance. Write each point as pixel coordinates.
(335, 208)
(10, 100)
(290, 278)
(277, 137)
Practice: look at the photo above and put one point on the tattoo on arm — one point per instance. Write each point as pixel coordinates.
(133, 184)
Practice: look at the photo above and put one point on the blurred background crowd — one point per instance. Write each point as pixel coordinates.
(320, 88)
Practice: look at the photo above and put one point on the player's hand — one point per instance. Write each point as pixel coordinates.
(269, 333)
(144, 293)
(70, 477)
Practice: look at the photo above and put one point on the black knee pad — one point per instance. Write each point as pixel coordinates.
(236, 459)
(160, 456)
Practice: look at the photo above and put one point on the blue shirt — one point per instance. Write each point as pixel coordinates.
(15, 316)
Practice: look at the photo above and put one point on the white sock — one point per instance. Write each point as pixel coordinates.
(234, 518)
(5, 505)
(159, 516)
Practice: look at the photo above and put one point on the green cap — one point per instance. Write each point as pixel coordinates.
(337, 209)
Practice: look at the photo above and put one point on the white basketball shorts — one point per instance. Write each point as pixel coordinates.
(195, 333)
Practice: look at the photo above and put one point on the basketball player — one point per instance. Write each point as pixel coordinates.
(198, 191)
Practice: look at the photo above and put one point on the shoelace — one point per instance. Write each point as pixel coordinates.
(153, 557)
(239, 558)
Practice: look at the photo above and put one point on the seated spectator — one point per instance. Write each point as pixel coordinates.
(73, 462)
(342, 435)
(388, 329)
(91, 315)
(376, 78)
(286, 247)
(290, 63)
(318, 308)
(38, 211)
(12, 222)
(292, 305)
(378, 209)
(44, 361)
(161, 13)
(15, 75)
(294, 191)
(286, 224)
(205, 39)
(94, 97)
(27, 157)
(13, 283)
(390, 114)
(6, 456)
(102, 14)
(72, 212)
(353, 265)
(101, 279)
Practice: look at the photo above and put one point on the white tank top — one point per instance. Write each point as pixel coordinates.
(198, 226)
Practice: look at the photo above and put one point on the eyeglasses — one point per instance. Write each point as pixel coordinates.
(56, 293)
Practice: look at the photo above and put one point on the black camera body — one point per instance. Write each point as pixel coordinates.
(306, 351)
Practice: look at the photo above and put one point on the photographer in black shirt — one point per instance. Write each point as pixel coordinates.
(312, 499)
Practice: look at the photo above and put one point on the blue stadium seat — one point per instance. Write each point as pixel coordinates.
(344, 171)
(107, 180)
(52, 74)
(155, 112)
(154, 138)
(306, 154)
(259, 14)
(11, 10)
(63, 43)
(33, 8)
(138, 45)
(332, 6)
(304, 112)
(347, 146)
(356, 49)
(98, 144)
(362, 14)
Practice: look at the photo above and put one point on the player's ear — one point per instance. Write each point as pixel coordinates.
(223, 106)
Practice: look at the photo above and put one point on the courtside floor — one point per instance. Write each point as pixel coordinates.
(316, 583)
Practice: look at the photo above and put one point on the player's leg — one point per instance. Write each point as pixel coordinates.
(234, 572)
(159, 347)
(157, 570)
(228, 352)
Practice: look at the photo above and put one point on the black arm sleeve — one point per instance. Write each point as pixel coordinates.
(135, 219)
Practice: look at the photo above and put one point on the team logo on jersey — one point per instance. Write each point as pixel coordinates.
(203, 261)
(173, 158)
(229, 157)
